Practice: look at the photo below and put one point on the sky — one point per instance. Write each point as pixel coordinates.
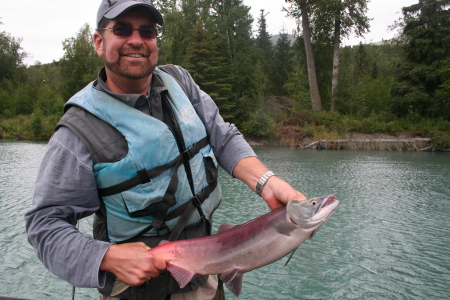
(43, 25)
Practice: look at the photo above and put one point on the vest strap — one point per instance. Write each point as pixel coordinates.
(145, 176)
(185, 211)
(169, 197)
(192, 205)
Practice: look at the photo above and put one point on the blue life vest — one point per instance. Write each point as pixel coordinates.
(146, 192)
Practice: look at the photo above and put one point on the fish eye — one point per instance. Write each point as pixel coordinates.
(314, 202)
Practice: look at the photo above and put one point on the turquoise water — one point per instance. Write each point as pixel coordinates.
(388, 239)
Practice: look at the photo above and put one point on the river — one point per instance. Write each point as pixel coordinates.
(388, 239)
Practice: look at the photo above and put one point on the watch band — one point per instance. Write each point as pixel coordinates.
(262, 181)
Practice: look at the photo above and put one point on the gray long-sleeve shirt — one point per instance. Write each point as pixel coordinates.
(66, 191)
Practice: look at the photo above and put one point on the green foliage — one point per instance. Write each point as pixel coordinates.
(48, 101)
(441, 140)
(260, 124)
(29, 127)
(11, 57)
(258, 85)
(426, 51)
(80, 63)
(283, 59)
(36, 125)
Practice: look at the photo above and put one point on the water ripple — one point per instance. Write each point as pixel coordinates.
(387, 240)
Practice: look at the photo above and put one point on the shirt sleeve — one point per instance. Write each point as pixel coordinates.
(65, 192)
(228, 143)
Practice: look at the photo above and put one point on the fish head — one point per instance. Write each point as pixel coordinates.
(312, 213)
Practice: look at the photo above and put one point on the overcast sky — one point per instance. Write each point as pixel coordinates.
(45, 24)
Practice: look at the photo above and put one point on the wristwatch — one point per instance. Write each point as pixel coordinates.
(262, 181)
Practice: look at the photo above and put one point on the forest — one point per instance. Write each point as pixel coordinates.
(273, 87)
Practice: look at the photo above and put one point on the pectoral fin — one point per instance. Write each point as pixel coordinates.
(233, 281)
(284, 227)
(182, 276)
(119, 287)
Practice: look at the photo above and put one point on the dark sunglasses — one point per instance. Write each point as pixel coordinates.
(127, 31)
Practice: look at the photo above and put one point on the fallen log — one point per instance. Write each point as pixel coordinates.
(20, 137)
(404, 144)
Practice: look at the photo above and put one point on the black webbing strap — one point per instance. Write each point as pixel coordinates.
(169, 197)
(144, 176)
(185, 209)
(189, 210)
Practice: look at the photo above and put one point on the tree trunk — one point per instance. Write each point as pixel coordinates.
(336, 62)
(313, 85)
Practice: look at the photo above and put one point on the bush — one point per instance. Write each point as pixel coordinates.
(441, 140)
(260, 124)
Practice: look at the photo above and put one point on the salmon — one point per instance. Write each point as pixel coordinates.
(235, 250)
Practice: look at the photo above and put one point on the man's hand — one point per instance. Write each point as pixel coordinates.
(134, 264)
(276, 192)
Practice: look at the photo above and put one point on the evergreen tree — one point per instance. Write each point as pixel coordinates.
(426, 50)
(283, 65)
(265, 46)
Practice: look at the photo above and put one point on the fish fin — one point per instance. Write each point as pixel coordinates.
(290, 256)
(284, 227)
(182, 276)
(119, 287)
(233, 281)
(229, 275)
(224, 227)
(163, 242)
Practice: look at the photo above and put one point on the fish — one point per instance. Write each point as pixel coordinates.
(237, 249)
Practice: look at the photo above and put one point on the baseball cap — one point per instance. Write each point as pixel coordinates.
(111, 9)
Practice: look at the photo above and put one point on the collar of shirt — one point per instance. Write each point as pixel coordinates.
(146, 104)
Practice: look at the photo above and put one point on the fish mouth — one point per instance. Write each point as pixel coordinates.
(325, 209)
(323, 212)
(328, 201)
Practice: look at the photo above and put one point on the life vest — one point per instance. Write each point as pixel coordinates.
(160, 182)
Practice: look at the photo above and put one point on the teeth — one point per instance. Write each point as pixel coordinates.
(135, 55)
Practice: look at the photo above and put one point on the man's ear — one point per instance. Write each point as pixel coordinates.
(98, 43)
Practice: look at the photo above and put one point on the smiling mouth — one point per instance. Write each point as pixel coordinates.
(134, 55)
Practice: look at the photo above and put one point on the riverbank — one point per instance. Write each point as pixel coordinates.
(316, 131)
(356, 141)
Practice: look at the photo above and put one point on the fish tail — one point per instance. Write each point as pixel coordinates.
(119, 287)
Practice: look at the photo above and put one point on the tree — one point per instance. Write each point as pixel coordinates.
(426, 50)
(300, 9)
(346, 16)
(12, 72)
(80, 63)
(11, 57)
(264, 45)
(283, 64)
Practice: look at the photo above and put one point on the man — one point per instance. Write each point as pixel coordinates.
(139, 147)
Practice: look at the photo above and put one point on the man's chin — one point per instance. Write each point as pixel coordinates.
(134, 72)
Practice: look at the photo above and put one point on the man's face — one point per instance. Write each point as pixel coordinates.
(130, 57)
